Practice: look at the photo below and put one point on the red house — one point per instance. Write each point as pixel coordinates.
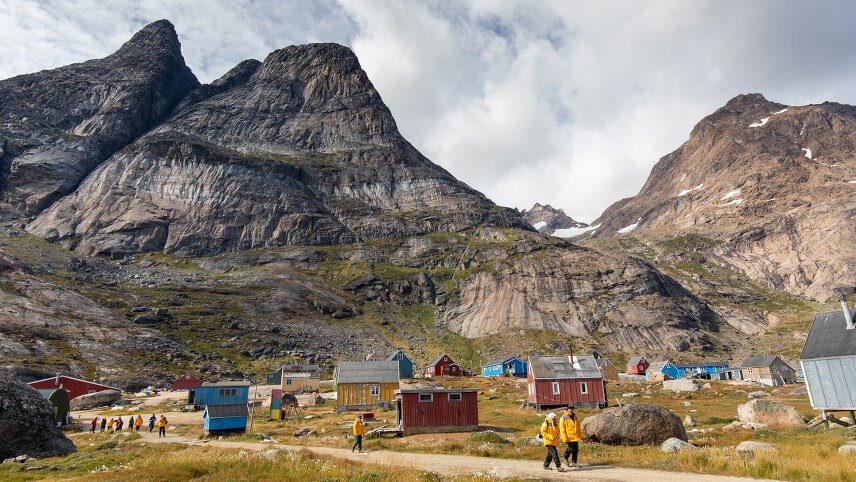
(437, 410)
(561, 380)
(443, 366)
(186, 382)
(74, 386)
(637, 365)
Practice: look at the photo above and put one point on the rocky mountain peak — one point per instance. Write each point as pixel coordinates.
(548, 220)
(159, 37)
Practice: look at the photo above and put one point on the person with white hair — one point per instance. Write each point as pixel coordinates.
(550, 434)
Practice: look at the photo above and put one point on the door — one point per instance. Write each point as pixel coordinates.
(398, 412)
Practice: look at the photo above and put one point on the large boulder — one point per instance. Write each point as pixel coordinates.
(776, 414)
(634, 425)
(97, 399)
(749, 448)
(27, 423)
(681, 385)
(673, 445)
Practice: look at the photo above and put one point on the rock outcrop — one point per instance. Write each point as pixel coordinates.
(27, 423)
(771, 413)
(773, 185)
(57, 125)
(633, 425)
(98, 399)
(549, 220)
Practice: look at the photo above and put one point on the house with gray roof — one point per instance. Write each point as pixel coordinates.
(365, 385)
(828, 360)
(767, 370)
(555, 381)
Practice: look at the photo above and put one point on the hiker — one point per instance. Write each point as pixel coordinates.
(94, 424)
(131, 423)
(162, 426)
(550, 434)
(359, 430)
(138, 422)
(152, 421)
(103, 423)
(569, 429)
(110, 425)
(119, 424)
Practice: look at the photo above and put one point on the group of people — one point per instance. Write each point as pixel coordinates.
(565, 429)
(116, 424)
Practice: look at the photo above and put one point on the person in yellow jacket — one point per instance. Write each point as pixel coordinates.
(550, 434)
(138, 422)
(359, 431)
(162, 421)
(110, 425)
(569, 430)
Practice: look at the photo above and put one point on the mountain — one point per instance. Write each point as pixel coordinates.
(772, 186)
(549, 220)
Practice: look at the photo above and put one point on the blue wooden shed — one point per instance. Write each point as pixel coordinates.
(225, 418)
(510, 365)
(662, 370)
(405, 364)
(220, 393)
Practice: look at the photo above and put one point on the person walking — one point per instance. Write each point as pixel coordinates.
(550, 434)
(94, 424)
(152, 421)
(359, 431)
(131, 423)
(138, 422)
(103, 423)
(110, 425)
(162, 421)
(571, 433)
(119, 424)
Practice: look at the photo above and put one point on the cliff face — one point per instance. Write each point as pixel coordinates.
(775, 185)
(296, 150)
(57, 125)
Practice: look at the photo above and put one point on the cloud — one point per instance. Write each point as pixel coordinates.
(567, 103)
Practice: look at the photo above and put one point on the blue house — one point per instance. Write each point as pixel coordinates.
(705, 369)
(225, 418)
(510, 365)
(662, 370)
(220, 393)
(405, 364)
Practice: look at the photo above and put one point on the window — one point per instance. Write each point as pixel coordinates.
(374, 390)
(583, 388)
(555, 388)
(750, 370)
(288, 381)
(774, 369)
(399, 356)
(426, 397)
(228, 392)
(454, 397)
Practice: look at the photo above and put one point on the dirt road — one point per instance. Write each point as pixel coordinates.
(452, 465)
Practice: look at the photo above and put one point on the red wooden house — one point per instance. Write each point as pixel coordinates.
(186, 382)
(561, 380)
(437, 410)
(74, 386)
(443, 366)
(637, 365)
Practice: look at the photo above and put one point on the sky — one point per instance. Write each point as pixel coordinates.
(564, 102)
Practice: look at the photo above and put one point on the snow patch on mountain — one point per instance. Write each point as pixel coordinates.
(627, 229)
(687, 191)
(572, 232)
(759, 124)
(807, 152)
(735, 202)
(539, 224)
(781, 111)
(730, 194)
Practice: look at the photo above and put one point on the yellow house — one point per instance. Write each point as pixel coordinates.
(365, 385)
(300, 382)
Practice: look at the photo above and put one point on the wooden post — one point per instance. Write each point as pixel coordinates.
(825, 420)
(853, 416)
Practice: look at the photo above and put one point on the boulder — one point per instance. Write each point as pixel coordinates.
(758, 394)
(737, 426)
(749, 448)
(630, 395)
(689, 421)
(97, 399)
(319, 400)
(675, 445)
(633, 425)
(848, 449)
(681, 385)
(303, 432)
(800, 390)
(771, 413)
(27, 423)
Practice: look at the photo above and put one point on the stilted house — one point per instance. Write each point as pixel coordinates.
(219, 393)
(661, 370)
(186, 382)
(637, 365)
(219, 419)
(60, 402)
(405, 364)
(74, 386)
(511, 366)
(559, 380)
(437, 410)
(606, 368)
(828, 361)
(768, 370)
(443, 366)
(365, 385)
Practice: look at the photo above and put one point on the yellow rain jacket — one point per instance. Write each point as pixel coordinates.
(110, 423)
(139, 421)
(570, 428)
(359, 429)
(162, 422)
(549, 432)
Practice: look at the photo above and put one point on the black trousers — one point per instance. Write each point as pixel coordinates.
(161, 431)
(552, 454)
(572, 450)
(358, 443)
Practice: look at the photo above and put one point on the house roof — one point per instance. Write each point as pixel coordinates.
(657, 365)
(563, 367)
(437, 359)
(301, 375)
(224, 411)
(706, 363)
(758, 361)
(396, 352)
(234, 383)
(500, 361)
(368, 372)
(106, 387)
(633, 361)
(289, 367)
(829, 336)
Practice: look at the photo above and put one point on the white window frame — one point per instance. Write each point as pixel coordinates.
(429, 399)
(531, 389)
(374, 390)
(288, 381)
(458, 397)
(556, 388)
(584, 388)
